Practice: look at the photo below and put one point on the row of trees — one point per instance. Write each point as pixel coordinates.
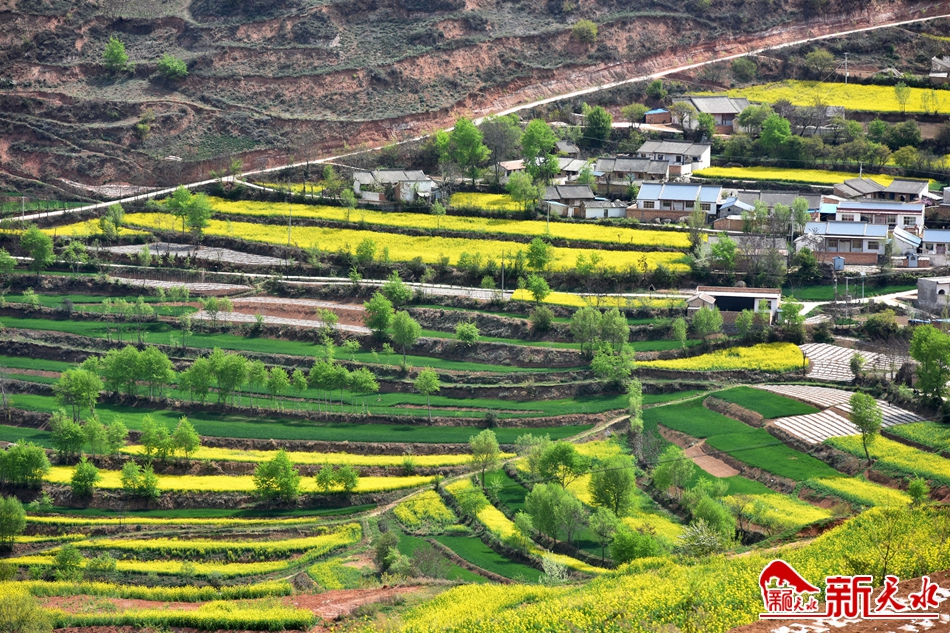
(279, 480)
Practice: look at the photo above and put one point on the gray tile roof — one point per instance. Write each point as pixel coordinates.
(628, 165)
(716, 105)
(771, 198)
(569, 192)
(686, 148)
(567, 147)
(910, 187)
(861, 186)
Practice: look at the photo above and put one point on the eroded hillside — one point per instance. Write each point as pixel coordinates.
(272, 79)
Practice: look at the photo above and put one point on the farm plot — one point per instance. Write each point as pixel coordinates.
(206, 253)
(768, 405)
(860, 491)
(776, 174)
(851, 96)
(633, 302)
(404, 248)
(632, 237)
(933, 435)
(830, 362)
(772, 357)
(897, 458)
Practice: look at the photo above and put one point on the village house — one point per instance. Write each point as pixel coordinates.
(905, 215)
(616, 174)
(744, 200)
(567, 200)
(858, 243)
(939, 70)
(395, 185)
(674, 201)
(936, 245)
(568, 148)
(732, 301)
(599, 208)
(658, 116)
(900, 190)
(723, 110)
(684, 157)
(933, 293)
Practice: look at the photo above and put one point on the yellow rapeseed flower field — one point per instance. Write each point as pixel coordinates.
(424, 508)
(111, 479)
(851, 96)
(337, 459)
(405, 248)
(896, 456)
(860, 491)
(569, 230)
(808, 176)
(777, 357)
(88, 228)
(133, 520)
(579, 301)
(487, 201)
(779, 511)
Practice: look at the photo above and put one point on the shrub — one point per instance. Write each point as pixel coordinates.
(172, 68)
(585, 31)
(630, 544)
(541, 319)
(20, 613)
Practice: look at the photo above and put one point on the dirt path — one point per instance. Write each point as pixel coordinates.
(332, 605)
(713, 466)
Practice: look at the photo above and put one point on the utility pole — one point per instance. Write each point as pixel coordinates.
(846, 68)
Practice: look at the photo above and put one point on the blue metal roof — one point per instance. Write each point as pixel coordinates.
(828, 207)
(937, 235)
(847, 229)
(656, 111)
(649, 191)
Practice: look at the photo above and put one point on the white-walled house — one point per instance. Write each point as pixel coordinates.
(394, 184)
(670, 201)
(936, 245)
(684, 157)
(905, 215)
(858, 243)
(732, 301)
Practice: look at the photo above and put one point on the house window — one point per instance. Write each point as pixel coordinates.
(667, 204)
(648, 204)
(910, 220)
(873, 246)
(832, 245)
(847, 217)
(941, 249)
(704, 206)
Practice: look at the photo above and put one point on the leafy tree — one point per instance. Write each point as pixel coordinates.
(634, 113)
(140, 482)
(705, 126)
(467, 333)
(714, 514)
(537, 142)
(584, 31)
(185, 438)
(539, 254)
(905, 157)
(21, 613)
(678, 330)
(656, 90)
(635, 409)
(931, 349)
(752, 117)
(396, 290)
(85, 476)
(725, 252)
(67, 564)
(792, 321)
(277, 383)
(198, 215)
(866, 415)
(39, 247)
(466, 147)
(744, 323)
(230, 372)
(256, 377)
(12, 519)
(820, 62)
(298, 382)
(155, 369)
(75, 255)
(405, 331)
(378, 314)
(598, 125)
(427, 383)
(96, 436)
(543, 504)
(172, 68)
(116, 436)
(277, 479)
(775, 131)
(614, 329)
(561, 462)
(347, 477)
(541, 317)
(611, 366)
(538, 287)
(114, 57)
(23, 464)
(673, 470)
(744, 69)
(501, 135)
(902, 94)
(612, 485)
(120, 369)
(178, 204)
(366, 251)
(707, 321)
(521, 188)
(7, 263)
(630, 545)
(585, 328)
(571, 515)
(67, 435)
(362, 381)
(155, 439)
(198, 378)
(78, 389)
(439, 212)
(603, 523)
(485, 452)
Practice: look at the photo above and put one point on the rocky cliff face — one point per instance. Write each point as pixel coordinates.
(279, 79)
